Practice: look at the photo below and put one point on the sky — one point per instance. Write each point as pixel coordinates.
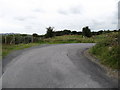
(34, 16)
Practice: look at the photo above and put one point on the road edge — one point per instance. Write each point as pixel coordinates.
(10, 58)
(110, 72)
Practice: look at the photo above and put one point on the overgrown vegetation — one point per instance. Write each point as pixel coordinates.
(108, 50)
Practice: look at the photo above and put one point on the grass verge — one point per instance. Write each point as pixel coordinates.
(6, 49)
(108, 51)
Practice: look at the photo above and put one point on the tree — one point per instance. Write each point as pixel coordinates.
(66, 32)
(49, 33)
(86, 32)
(74, 32)
(100, 32)
(35, 35)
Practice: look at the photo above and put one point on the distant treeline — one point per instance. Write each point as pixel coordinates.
(24, 38)
(85, 32)
(69, 32)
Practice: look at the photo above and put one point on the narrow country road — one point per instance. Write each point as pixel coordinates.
(56, 66)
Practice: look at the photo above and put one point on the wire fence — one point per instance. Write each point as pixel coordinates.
(18, 39)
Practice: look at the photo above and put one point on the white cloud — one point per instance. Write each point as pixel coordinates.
(29, 16)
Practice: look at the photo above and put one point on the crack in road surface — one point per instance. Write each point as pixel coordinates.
(56, 66)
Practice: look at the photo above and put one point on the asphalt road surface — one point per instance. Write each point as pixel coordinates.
(56, 66)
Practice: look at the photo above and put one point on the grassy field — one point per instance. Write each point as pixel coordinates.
(69, 39)
(73, 39)
(108, 50)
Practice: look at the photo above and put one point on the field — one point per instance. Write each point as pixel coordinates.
(73, 39)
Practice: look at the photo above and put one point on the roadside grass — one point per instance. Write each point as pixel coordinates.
(107, 50)
(6, 49)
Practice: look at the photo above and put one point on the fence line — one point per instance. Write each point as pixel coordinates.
(17, 39)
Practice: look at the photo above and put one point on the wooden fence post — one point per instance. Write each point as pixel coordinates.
(5, 39)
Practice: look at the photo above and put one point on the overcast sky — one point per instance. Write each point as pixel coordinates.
(33, 16)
